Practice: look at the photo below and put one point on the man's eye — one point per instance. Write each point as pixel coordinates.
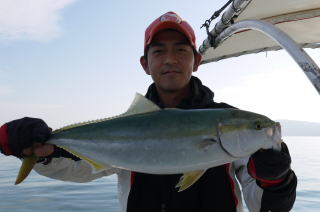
(182, 49)
(156, 51)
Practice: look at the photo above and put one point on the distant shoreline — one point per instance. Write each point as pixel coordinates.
(299, 128)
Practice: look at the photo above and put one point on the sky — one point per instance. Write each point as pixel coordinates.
(68, 61)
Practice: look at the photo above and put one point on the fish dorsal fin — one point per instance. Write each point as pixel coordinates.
(140, 105)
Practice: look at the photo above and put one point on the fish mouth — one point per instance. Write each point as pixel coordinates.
(278, 128)
(277, 136)
(274, 131)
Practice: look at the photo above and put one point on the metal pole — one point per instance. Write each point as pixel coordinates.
(309, 67)
(226, 19)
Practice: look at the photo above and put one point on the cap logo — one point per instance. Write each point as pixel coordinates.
(170, 17)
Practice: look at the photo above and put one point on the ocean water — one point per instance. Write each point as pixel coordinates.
(38, 193)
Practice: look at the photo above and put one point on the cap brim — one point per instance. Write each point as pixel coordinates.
(170, 25)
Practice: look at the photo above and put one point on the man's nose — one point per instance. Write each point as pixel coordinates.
(170, 58)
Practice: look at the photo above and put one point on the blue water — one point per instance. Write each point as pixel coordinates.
(39, 193)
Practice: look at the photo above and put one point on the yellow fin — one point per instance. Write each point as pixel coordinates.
(96, 165)
(26, 167)
(188, 179)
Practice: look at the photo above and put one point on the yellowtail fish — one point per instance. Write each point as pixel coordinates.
(166, 141)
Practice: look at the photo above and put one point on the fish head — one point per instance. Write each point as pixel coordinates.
(245, 132)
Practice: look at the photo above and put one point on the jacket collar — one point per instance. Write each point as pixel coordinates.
(200, 95)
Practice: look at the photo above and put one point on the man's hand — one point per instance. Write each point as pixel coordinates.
(270, 167)
(40, 150)
(25, 136)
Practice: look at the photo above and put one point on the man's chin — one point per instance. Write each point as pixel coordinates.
(172, 88)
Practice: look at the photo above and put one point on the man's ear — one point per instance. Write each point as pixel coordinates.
(144, 64)
(197, 60)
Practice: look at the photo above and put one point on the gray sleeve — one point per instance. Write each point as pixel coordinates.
(66, 169)
(252, 193)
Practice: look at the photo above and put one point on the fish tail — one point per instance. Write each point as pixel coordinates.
(26, 167)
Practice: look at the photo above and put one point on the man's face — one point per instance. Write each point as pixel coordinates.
(170, 61)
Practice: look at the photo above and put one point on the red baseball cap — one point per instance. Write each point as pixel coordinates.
(169, 20)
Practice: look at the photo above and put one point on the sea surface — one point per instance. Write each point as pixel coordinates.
(38, 193)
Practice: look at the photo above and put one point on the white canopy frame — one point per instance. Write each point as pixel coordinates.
(225, 28)
(305, 62)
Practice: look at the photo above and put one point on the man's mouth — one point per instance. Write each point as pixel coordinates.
(170, 72)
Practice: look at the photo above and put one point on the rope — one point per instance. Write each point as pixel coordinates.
(215, 15)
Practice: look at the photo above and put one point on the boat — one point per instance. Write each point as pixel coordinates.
(253, 26)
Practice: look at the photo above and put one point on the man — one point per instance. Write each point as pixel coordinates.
(170, 57)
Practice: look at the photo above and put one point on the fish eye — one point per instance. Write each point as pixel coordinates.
(258, 126)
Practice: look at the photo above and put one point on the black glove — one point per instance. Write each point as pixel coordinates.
(58, 152)
(23, 133)
(270, 167)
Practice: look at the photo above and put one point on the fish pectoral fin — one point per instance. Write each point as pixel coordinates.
(26, 167)
(96, 166)
(188, 179)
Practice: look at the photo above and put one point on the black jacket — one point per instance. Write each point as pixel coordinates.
(212, 192)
